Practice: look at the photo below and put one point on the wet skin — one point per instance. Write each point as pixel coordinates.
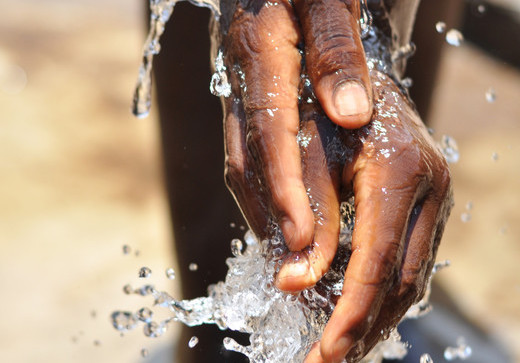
(364, 139)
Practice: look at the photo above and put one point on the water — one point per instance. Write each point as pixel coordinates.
(193, 266)
(454, 37)
(491, 95)
(160, 13)
(461, 351)
(426, 358)
(282, 326)
(144, 352)
(170, 273)
(449, 149)
(145, 272)
(440, 27)
(193, 342)
(236, 247)
(219, 85)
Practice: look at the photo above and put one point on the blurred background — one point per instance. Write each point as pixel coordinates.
(81, 178)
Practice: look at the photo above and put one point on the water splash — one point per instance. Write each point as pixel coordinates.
(461, 351)
(282, 326)
(219, 85)
(450, 149)
(365, 21)
(160, 13)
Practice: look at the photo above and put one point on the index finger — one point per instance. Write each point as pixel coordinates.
(263, 40)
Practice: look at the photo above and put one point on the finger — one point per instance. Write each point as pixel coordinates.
(425, 229)
(336, 60)
(240, 177)
(321, 175)
(265, 43)
(314, 355)
(424, 233)
(377, 247)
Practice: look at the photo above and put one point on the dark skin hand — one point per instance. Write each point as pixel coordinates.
(398, 176)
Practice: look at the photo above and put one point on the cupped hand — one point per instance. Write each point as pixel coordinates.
(402, 190)
(396, 173)
(261, 43)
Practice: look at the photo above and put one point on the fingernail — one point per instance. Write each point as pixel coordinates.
(341, 348)
(293, 270)
(350, 98)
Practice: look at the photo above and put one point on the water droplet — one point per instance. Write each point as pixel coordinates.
(146, 290)
(126, 249)
(440, 265)
(144, 352)
(469, 205)
(193, 267)
(465, 217)
(454, 37)
(461, 351)
(93, 314)
(426, 358)
(491, 95)
(481, 8)
(219, 85)
(365, 21)
(145, 314)
(97, 343)
(193, 342)
(407, 82)
(128, 289)
(170, 273)
(232, 225)
(137, 253)
(124, 320)
(154, 330)
(440, 27)
(450, 149)
(494, 156)
(145, 272)
(236, 247)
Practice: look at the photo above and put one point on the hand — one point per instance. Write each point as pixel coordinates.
(401, 184)
(263, 164)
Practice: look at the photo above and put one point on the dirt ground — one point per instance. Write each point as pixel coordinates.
(81, 178)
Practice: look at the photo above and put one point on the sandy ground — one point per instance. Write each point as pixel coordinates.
(81, 178)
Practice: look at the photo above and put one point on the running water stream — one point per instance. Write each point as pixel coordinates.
(160, 13)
